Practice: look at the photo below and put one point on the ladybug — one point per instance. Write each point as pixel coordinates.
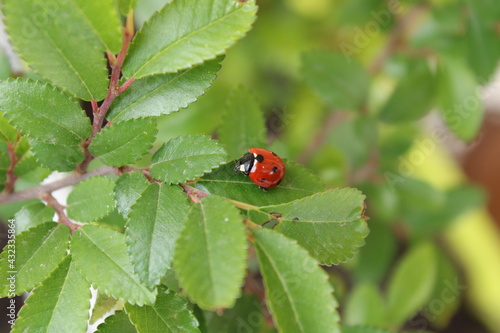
(264, 167)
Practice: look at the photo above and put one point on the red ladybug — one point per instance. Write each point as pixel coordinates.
(264, 167)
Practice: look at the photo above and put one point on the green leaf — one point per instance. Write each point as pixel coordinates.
(5, 70)
(60, 304)
(43, 112)
(342, 82)
(298, 293)
(298, 183)
(364, 306)
(128, 189)
(210, 255)
(37, 252)
(411, 284)
(447, 294)
(377, 254)
(100, 254)
(117, 323)
(462, 198)
(365, 329)
(483, 49)
(32, 215)
(98, 20)
(7, 132)
(246, 316)
(22, 146)
(124, 142)
(164, 93)
(242, 125)
(356, 138)
(50, 36)
(30, 170)
(198, 31)
(185, 158)
(460, 105)
(330, 225)
(91, 199)
(103, 304)
(413, 96)
(126, 5)
(170, 314)
(4, 165)
(58, 157)
(153, 226)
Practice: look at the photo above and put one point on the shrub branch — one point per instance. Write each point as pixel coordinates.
(114, 90)
(11, 176)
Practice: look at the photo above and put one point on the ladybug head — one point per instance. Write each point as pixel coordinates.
(245, 164)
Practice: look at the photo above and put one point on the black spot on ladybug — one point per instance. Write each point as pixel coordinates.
(263, 180)
(275, 169)
(260, 158)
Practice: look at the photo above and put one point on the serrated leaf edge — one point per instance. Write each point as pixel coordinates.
(357, 245)
(322, 273)
(21, 55)
(232, 40)
(102, 214)
(43, 283)
(136, 155)
(181, 106)
(208, 138)
(61, 91)
(108, 292)
(67, 242)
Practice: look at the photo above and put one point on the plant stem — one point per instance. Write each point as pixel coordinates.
(193, 193)
(114, 90)
(11, 176)
(242, 205)
(63, 218)
(332, 120)
(397, 35)
(73, 179)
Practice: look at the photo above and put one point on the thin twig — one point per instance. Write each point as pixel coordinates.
(333, 119)
(63, 218)
(193, 193)
(73, 179)
(397, 35)
(114, 90)
(116, 63)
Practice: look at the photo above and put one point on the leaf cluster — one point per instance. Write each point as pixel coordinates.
(168, 244)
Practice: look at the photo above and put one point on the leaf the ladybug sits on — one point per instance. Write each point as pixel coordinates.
(264, 167)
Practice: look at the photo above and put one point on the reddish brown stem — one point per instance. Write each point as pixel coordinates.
(11, 176)
(125, 85)
(114, 90)
(116, 63)
(193, 193)
(63, 218)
